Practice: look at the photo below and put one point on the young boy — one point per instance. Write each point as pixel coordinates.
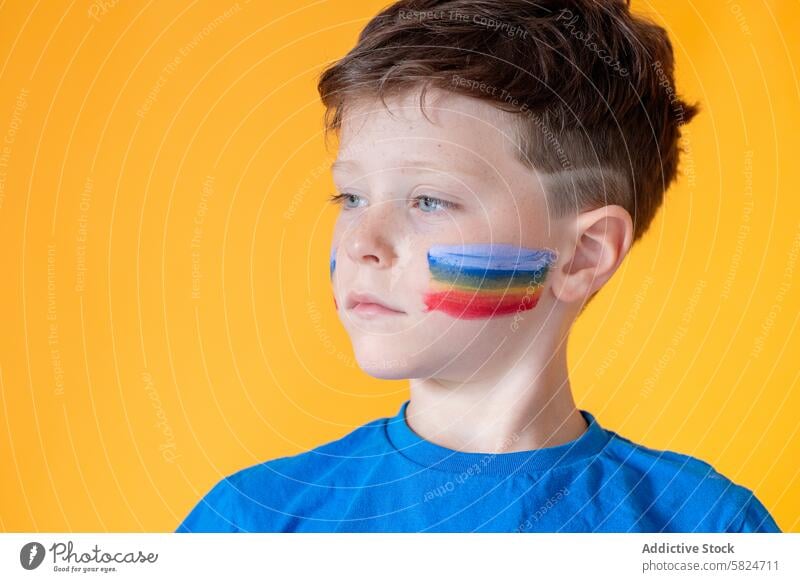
(497, 160)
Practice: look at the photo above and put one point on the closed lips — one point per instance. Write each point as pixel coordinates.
(354, 299)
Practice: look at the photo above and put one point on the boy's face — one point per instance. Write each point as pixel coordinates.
(441, 223)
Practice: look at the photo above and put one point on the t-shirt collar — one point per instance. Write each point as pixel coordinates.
(428, 454)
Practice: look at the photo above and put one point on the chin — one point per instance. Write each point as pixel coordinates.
(387, 363)
(385, 367)
(394, 365)
(380, 357)
(389, 373)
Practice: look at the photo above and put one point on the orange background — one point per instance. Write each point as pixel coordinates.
(166, 314)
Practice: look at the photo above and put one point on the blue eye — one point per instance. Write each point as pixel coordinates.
(430, 204)
(345, 199)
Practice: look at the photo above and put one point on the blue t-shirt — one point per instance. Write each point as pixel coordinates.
(384, 477)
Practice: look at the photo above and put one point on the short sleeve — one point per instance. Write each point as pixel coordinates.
(215, 512)
(754, 518)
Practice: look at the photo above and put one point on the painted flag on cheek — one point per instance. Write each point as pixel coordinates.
(332, 269)
(473, 281)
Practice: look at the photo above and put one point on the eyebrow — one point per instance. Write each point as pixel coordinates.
(342, 164)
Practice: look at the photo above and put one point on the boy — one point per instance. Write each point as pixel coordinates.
(497, 160)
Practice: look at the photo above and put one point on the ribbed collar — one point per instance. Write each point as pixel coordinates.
(428, 454)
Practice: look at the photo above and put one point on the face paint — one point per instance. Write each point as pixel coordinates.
(333, 268)
(486, 280)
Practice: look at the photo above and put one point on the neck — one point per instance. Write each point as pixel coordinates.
(529, 406)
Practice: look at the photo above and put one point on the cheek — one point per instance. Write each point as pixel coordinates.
(477, 281)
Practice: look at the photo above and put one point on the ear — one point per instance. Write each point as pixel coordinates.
(602, 238)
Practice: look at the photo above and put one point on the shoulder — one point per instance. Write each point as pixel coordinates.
(692, 491)
(272, 484)
(361, 445)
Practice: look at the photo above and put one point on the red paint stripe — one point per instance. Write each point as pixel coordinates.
(473, 306)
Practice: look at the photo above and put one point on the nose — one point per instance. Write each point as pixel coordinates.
(368, 240)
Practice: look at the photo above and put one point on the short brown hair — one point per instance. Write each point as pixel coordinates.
(591, 83)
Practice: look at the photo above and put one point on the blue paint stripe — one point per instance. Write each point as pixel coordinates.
(505, 259)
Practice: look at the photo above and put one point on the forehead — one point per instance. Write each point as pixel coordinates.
(452, 126)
